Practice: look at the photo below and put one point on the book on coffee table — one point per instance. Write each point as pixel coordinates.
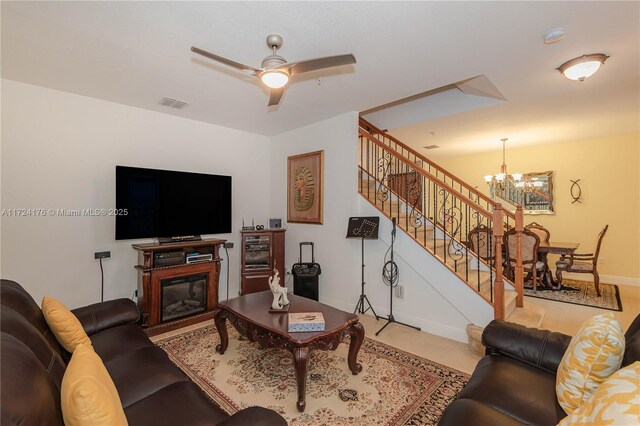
(306, 322)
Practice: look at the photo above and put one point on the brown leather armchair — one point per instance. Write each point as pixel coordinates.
(515, 383)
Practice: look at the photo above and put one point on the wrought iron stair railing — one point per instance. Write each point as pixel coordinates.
(438, 210)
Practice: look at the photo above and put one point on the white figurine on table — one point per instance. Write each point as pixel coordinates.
(279, 293)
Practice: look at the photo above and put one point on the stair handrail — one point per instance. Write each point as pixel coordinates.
(365, 124)
(497, 302)
(486, 213)
(496, 216)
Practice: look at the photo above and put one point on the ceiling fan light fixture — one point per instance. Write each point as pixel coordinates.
(582, 67)
(275, 79)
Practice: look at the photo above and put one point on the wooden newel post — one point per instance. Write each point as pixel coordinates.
(498, 284)
(519, 273)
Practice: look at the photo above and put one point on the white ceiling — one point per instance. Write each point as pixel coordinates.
(135, 53)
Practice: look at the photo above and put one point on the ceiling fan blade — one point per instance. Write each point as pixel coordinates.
(225, 61)
(318, 64)
(274, 97)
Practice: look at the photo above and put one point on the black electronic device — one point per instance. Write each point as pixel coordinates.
(259, 227)
(169, 258)
(165, 203)
(363, 227)
(275, 223)
(199, 257)
(305, 275)
(248, 228)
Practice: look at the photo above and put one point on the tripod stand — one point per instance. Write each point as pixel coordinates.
(363, 227)
(392, 278)
(363, 297)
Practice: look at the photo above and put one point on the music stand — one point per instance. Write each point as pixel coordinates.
(364, 227)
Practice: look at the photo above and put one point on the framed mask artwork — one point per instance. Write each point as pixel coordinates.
(305, 187)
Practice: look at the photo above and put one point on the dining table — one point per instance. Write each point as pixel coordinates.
(552, 247)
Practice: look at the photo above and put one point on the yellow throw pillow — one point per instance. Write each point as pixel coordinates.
(615, 402)
(88, 395)
(64, 325)
(593, 355)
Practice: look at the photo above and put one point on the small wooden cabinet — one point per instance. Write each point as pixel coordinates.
(173, 293)
(261, 252)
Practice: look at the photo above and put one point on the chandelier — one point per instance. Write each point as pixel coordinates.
(504, 180)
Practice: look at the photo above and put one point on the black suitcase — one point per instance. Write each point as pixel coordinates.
(305, 275)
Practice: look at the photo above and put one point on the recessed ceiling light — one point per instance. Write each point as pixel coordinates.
(583, 67)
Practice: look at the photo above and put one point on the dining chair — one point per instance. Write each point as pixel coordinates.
(480, 241)
(586, 263)
(542, 232)
(530, 262)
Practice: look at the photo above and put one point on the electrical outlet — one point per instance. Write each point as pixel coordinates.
(228, 245)
(400, 291)
(102, 254)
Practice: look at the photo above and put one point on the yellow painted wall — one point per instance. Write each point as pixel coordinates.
(608, 170)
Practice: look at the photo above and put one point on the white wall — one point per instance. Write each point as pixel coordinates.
(335, 253)
(425, 303)
(60, 150)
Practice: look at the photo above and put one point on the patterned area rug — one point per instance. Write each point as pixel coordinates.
(394, 387)
(582, 293)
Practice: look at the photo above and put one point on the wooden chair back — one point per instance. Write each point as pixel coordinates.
(542, 232)
(530, 244)
(600, 238)
(481, 242)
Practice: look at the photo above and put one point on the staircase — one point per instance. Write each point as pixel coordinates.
(438, 210)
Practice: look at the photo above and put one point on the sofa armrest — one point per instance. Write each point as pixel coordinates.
(543, 349)
(103, 315)
(254, 416)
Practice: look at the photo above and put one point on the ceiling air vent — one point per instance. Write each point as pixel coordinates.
(173, 103)
(431, 146)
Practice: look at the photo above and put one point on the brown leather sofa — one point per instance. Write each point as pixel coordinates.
(515, 383)
(152, 389)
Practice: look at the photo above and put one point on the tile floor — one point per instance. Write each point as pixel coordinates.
(561, 317)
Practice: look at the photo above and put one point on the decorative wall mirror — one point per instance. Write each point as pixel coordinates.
(534, 192)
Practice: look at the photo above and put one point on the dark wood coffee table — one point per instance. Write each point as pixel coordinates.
(250, 315)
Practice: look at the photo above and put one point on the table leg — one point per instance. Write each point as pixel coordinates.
(356, 331)
(220, 321)
(301, 360)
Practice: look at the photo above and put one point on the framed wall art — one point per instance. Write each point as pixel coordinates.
(305, 187)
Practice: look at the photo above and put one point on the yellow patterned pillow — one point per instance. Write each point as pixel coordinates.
(593, 355)
(615, 402)
(64, 325)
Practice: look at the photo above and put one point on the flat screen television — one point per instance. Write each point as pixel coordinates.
(164, 203)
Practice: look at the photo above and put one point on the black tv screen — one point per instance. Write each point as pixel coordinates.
(164, 203)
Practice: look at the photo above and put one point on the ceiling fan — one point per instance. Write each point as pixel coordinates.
(276, 71)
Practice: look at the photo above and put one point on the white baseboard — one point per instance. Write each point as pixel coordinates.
(607, 279)
(438, 329)
(427, 326)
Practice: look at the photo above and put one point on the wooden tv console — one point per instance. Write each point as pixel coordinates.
(152, 278)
